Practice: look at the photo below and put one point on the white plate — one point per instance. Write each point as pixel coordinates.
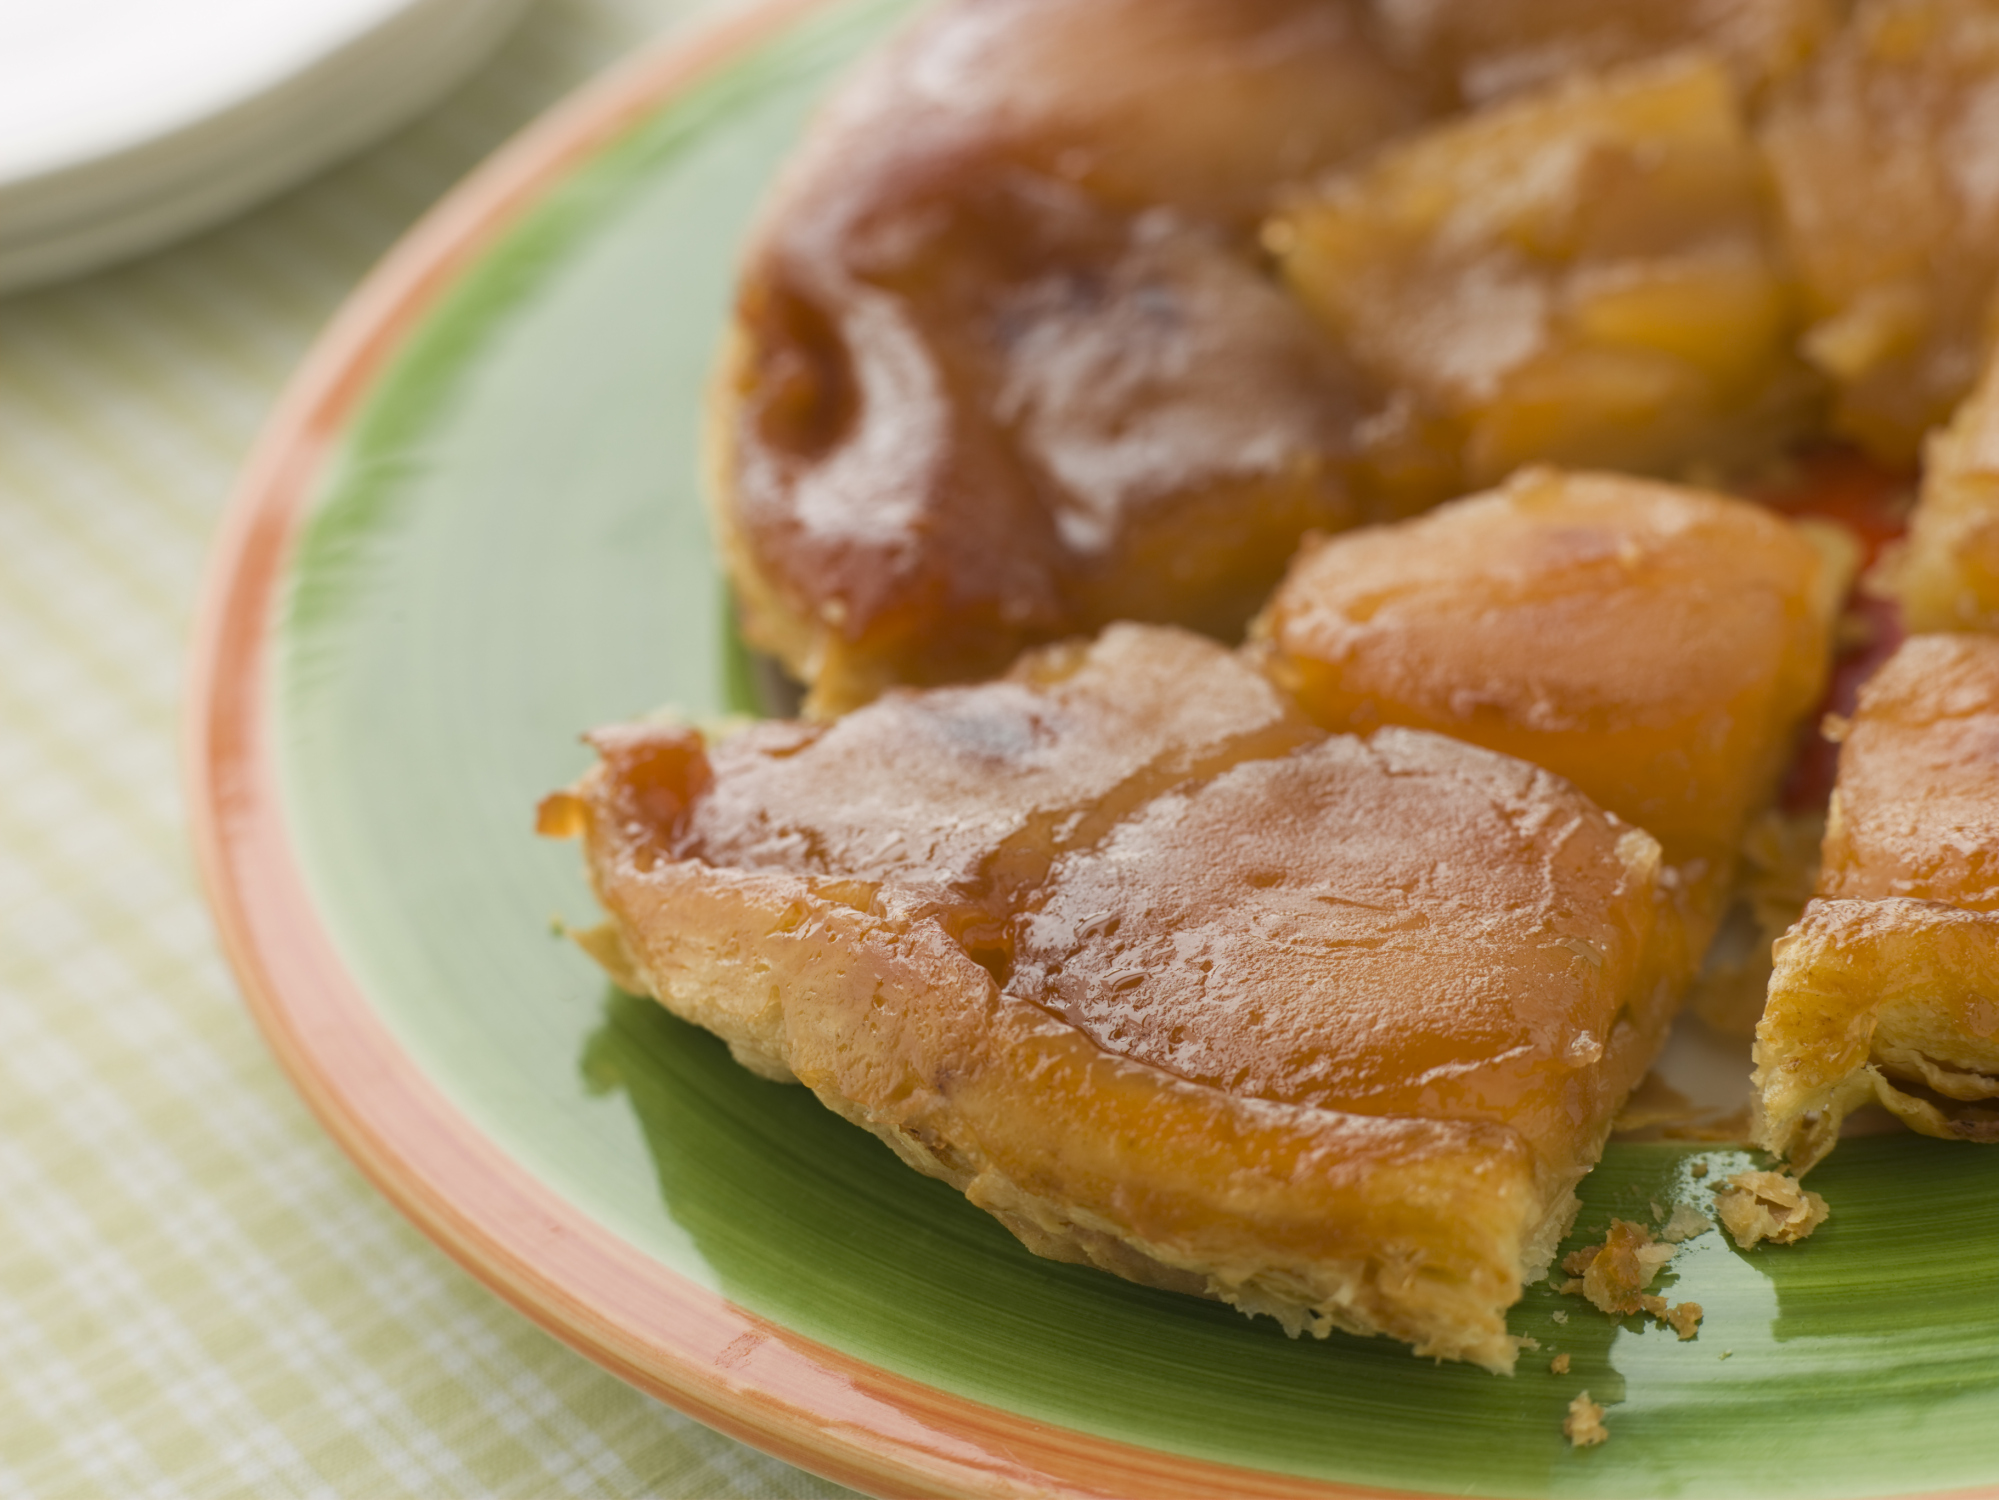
(126, 123)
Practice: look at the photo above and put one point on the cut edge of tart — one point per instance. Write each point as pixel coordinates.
(1884, 991)
(1879, 1002)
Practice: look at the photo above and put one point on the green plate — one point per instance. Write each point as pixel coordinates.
(510, 548)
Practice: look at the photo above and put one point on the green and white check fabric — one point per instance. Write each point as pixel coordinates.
(198, 1295)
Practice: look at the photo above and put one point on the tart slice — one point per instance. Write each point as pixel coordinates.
(1161, 975)
(1887, 989)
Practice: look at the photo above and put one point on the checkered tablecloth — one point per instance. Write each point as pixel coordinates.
(198, 1295)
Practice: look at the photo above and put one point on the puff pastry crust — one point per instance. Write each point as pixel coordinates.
(1162, 975)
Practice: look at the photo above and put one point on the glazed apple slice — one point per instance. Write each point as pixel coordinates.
(1004, 365)
(1655, 645)
(1880, 155)
(1491, 49)
(1582, 275)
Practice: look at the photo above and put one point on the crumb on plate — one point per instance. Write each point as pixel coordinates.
(1614, 1275)
(1756, 1206)
(1583, 1426)
(1559, 1365)
(1686, 1223)
(1684, 1318)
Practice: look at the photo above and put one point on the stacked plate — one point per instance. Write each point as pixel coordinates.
(124, 123)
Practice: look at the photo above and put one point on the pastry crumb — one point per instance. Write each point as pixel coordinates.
(1728, 1354)
(1686, 1223)
(1559, 1365)
(1684, 1318)
(1658, 1213)
(1583, 1426)
(1560, 1315)
(1614, 1275)
(1757, 1206)
(1700, 1169)
(1528, 1341)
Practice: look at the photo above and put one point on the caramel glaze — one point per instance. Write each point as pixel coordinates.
(1492, 49)
(1398, 925)
(1916, 807)
(964, 795)
(1879, 158)
(1004, 351)
(1164, 976)
(1654, 645)
(1008, 361)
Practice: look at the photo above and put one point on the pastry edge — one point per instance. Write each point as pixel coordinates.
(1860, 1011)
(740, 983)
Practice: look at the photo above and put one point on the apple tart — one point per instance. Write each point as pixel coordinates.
(1163, 976)
(1309, 976)
(1175, 981)
(1947, 577)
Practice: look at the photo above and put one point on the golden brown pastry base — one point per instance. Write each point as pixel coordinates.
(1893, 1002)
(1422, 1230)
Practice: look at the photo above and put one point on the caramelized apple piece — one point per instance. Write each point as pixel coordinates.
(968, 793)
(1161, 976)
(1915, 811)
(1400, 926)
(1261, 92)
(1654, 645)
(1948, 575)
(1883, 155)
(1583, 276)
(1493, 48)
(1888, 988)
(1005, 367)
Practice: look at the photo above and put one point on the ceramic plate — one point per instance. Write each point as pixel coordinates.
(475, 530)
(124, 123)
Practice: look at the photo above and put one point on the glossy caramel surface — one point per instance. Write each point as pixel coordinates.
(1947, 578)
(1489, 49)
(1401, 925)
(1140, 836)
(1019, 352)
(1583, 275)
(970, 792)
(1653, 644)
(1916, 806)
(1008, 368)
